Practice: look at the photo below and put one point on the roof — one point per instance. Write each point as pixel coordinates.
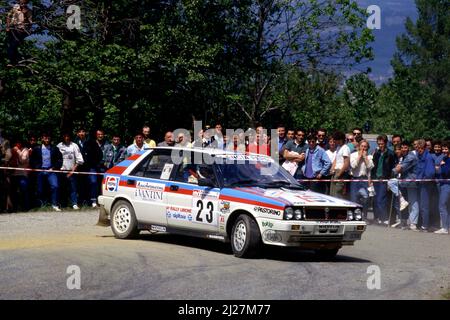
(211, 151)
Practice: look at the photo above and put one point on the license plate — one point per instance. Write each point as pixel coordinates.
(324, 228)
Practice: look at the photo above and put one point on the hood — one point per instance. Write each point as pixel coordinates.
(285, 197)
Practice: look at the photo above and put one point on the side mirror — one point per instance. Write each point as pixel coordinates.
(205, 182)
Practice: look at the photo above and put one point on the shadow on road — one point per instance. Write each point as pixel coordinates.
(268, 252)
(299, 255)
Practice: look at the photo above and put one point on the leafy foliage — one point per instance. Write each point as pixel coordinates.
(167, 63)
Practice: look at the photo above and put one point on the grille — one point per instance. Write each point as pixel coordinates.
(314, 238)
(320, 214)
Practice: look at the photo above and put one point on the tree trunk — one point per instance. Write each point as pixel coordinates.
(66, 117)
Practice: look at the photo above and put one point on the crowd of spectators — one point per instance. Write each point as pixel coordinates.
(407, 184)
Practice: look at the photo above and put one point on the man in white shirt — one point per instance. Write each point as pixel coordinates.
(138, 145)
(72, 158)
(340, 166)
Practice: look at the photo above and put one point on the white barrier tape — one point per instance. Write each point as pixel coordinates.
(55, 171)
(299, 180)
(372, 180)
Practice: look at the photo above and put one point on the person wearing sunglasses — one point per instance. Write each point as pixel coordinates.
(352, 143)
(357, 132)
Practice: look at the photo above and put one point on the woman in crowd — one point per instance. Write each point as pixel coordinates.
(20, 159)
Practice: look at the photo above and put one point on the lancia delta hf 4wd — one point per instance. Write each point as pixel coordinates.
(245, 199)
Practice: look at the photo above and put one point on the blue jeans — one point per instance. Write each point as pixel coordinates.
(21, 183)
(380, 203)
(52, 180)
(72, 180)
(424, 202)
(444, 199)
(359, 194)
(413, 200)
(393, 185)
(93, 185)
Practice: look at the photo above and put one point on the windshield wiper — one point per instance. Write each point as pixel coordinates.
(243, 182)
(284, 184)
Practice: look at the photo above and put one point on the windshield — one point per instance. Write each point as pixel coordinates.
(256, 173)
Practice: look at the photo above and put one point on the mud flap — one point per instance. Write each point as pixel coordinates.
(103, 220)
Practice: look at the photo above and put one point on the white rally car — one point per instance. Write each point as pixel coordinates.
(246, 199)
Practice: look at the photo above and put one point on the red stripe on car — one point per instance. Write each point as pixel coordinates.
(117, 170)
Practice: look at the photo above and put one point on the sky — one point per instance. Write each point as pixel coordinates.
(393, 16)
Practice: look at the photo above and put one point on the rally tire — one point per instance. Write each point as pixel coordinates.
(245, 237)
(326, 254)
(123, 220)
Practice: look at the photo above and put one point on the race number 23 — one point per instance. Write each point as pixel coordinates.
(206, 211)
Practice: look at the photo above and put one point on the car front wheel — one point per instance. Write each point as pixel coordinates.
(123, 220)
(245, 237)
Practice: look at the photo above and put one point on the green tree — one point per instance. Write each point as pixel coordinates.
(309, 34)
(169, 62)
(360, 94)
(311, 100)
(422, 63)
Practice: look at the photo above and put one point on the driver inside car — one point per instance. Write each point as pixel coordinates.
(204, 172)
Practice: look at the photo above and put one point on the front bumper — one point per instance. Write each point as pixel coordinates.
(311, 234)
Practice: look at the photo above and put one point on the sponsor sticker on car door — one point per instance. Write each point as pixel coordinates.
(149, 191)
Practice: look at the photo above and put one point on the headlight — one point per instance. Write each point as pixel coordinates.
(288, 213)
(298, 214)
(349, 215)
(358, 214)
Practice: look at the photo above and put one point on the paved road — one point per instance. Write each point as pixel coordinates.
(37, 248)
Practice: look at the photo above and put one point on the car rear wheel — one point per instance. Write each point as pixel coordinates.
(326, 254)
(245, 237)
(123, 220)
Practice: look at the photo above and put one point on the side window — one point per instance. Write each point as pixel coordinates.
(187, 173)
(157, 165)
(191, 173)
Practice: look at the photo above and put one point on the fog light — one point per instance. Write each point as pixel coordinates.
(295, 227)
